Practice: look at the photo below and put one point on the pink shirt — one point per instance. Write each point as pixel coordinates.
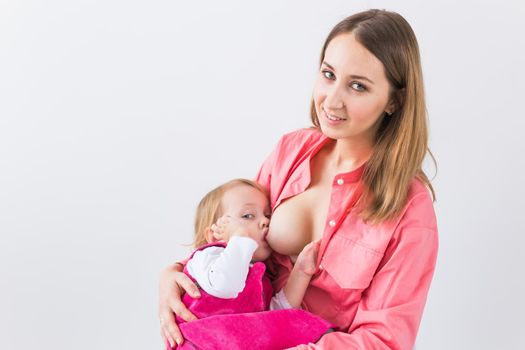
(372, 281)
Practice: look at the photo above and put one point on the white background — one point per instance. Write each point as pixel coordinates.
(117, 116)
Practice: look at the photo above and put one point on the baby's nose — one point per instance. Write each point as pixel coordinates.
(264, 223)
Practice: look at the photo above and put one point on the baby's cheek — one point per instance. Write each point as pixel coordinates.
(262, 253)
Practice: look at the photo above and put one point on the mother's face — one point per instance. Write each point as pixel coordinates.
(351, 93)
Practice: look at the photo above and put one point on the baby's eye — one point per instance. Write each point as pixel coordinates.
(268, 216)
(329, 75)
(248, 216)
(358, 86)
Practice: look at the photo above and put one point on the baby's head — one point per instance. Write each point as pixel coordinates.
(246, 202)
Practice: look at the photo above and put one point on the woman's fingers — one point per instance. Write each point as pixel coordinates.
(172, 284)
(169, 330)
(176, 304)
(187, 284)
(182, 311)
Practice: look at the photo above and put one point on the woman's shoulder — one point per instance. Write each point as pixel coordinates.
(305, 137)
(419, 208)
(418, 188)
(304, 133)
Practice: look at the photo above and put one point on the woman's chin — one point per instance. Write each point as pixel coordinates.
(330, 132)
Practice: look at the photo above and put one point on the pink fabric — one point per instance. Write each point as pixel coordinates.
(240, 323)
(372, 281)
(268, 330)
(255, 297)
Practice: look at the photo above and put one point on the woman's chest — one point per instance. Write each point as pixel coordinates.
(299, 220)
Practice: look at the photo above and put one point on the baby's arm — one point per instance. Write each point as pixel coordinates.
(222, 272)
(293, 292)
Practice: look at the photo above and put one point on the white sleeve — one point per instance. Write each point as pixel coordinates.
(280, 302)
(222, 272)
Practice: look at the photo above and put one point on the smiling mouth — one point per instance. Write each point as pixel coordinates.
(333, 117)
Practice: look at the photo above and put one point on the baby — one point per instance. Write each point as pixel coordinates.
(237, 308)
(225, 251)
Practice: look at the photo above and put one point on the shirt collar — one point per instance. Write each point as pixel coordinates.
(341, 178)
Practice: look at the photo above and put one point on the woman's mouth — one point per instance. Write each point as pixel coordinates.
(333, 119)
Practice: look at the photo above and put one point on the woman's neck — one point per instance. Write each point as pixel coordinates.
(347, 155)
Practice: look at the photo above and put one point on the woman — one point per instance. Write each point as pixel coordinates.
(355, 181)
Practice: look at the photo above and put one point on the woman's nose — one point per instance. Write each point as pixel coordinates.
(334, 100)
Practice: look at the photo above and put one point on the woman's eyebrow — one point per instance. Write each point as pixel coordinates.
(352, 75)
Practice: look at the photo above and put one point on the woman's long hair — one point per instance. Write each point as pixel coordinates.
(401, 142)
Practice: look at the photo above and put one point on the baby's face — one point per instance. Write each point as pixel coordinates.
(250, 209)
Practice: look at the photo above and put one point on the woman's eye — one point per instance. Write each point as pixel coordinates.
(248, 216)
(329, 75)
(358, 86)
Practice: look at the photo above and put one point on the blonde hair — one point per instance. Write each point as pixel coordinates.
(210, 209)
(401, 142)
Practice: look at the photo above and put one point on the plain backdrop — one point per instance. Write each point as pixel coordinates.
(117, 116)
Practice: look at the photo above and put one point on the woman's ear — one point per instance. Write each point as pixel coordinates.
(391, 107)
(395, 102)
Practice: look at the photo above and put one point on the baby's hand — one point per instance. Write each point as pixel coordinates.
(227, 226)
(307, 260)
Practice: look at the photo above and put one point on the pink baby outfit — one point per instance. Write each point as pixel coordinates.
(255, 296)
(242, 322)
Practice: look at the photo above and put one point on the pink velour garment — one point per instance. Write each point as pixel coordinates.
(243, 323)
(372, 281)
(255, 296)
(266, 330)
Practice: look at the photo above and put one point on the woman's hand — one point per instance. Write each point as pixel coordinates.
(173, 284)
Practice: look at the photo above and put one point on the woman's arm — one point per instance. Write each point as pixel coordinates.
(173, 283)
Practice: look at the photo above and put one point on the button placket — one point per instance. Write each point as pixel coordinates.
(335, 212)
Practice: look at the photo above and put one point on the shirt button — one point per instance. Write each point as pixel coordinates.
(331, 223)
(320, 267)
(340, 181)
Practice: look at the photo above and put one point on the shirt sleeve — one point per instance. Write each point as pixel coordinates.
(389, 313)
(222, 272)
(280, 301)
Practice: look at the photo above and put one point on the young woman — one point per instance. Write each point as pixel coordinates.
(355, 182)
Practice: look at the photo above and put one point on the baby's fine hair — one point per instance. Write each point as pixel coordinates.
(210, 209)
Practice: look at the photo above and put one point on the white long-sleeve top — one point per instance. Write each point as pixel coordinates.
(222, 272)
